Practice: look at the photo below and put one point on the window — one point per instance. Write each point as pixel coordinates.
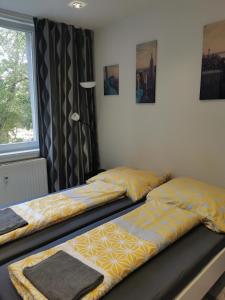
(18, 118)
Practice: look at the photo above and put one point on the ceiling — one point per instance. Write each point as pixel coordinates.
(96, 14)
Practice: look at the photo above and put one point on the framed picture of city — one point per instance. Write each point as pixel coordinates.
(111, 80)
(146, 64)
(213, 62)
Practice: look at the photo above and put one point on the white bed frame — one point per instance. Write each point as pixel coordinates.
(202, 283)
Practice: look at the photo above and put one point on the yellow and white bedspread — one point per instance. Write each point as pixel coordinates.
(116, 248)
(43, 212)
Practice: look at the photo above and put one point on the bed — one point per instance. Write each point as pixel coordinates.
(8, 292)
(157, 279)
(96, 200)
(25, 244)
(175, 231)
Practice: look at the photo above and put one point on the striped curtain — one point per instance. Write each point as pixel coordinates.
(64, 58)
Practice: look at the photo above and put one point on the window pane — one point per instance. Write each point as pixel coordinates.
(16, 123)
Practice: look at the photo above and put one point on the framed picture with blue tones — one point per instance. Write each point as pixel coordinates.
(111, 80)
(146, 65)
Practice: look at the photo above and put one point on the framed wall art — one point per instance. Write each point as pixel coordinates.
(111, 80)
(213, 62)
(146, 65)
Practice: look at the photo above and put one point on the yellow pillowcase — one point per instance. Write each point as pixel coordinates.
(136, 182)
(201, 198)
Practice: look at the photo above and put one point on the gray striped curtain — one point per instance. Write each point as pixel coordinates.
(64, 58)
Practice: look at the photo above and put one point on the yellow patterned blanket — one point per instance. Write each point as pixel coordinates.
(116, 248)
(43, 212)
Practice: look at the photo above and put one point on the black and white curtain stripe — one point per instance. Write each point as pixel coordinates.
(64, 58)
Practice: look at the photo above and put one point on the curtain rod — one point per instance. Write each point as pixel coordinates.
(7, 15)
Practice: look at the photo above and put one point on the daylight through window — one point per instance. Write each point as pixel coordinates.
(18, 128)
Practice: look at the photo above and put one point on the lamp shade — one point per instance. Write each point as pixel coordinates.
(88, 84)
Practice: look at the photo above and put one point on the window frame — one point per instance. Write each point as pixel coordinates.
(16, 151)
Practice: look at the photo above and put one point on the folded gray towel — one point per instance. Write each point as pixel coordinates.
(63, 277)
(10, 221)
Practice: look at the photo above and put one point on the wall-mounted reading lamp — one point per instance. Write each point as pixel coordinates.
(75, 116)
(88, 84)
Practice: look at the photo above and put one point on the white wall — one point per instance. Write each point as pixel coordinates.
(179, 132)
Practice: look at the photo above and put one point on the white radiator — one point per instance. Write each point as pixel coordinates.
(22, 180)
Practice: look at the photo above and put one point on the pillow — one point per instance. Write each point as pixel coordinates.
(136, 182)
(205, 200)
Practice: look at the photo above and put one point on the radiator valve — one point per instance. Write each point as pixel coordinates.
(6, 180)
